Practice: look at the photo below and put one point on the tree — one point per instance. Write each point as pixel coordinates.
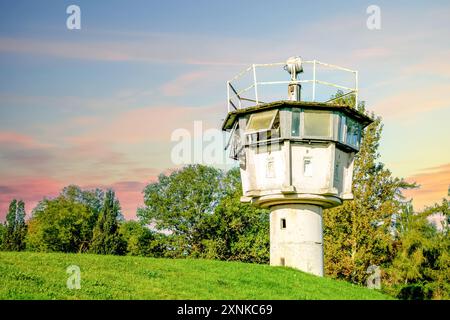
(93, 199)
(16, 228)
(66, 222)
(2, 234)
(140, 240)
(441, 209)
(358, 233)
(179, 204)
(62, 224)
(236, 231)
(106, 238)
(421, 268)
(404, 219)
(8, 241)
(197, 212)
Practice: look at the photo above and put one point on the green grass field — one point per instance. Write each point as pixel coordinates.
(27, 275)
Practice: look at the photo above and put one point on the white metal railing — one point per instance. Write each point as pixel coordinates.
(240, 95)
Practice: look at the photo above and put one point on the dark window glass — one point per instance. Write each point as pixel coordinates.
(353, 133)
(283, 223)
(295, 126)
(341, 128)
(317, 124)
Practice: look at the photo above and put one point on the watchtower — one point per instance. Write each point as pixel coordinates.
(296, 156)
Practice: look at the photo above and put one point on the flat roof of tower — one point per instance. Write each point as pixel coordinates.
(352, 112)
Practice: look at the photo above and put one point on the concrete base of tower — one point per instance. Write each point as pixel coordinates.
(296, 237)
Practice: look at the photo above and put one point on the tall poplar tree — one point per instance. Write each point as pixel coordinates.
(16, 228)
(106, 237)
(358, 233)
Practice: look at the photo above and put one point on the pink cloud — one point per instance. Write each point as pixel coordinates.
(437, 64)
(65, 103)
(181, 84)
(152, 47)
(15, 138)
(434, 183)
(31, 190)
(10, 137)
(372, 52)
(129, 194)
(151, 124)
(23, 153)
(413, 102)
(90, 51)
(85, 121)
(88, 164)
(89, 160)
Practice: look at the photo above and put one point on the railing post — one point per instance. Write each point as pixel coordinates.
(356, 89)
(314, 81)
(255, 83)
(228, 95)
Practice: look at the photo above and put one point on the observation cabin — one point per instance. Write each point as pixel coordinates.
(295, 150)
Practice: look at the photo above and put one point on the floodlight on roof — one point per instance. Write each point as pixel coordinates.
(294, 66)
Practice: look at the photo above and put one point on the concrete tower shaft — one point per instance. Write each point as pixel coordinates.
(296, 237)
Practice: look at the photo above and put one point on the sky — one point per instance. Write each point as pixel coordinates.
(98, 106)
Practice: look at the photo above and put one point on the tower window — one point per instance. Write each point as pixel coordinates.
(317, 124)
(283, 223)
(262, 121)
(270, 171)
(337, 174)
(341, 128)
(307, 167)
(263, 127)
(353, 133)
(295, 126)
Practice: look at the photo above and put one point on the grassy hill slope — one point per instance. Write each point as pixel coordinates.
(27, 275)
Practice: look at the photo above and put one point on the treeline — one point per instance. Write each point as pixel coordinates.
(75, 221)
(194, 212)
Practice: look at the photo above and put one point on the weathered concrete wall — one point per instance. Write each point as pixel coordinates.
(266, 169)
(318, 169)
(300, 243)
(342, 179)
(319, 176)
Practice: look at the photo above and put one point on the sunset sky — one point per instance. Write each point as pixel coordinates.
(97, 106)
